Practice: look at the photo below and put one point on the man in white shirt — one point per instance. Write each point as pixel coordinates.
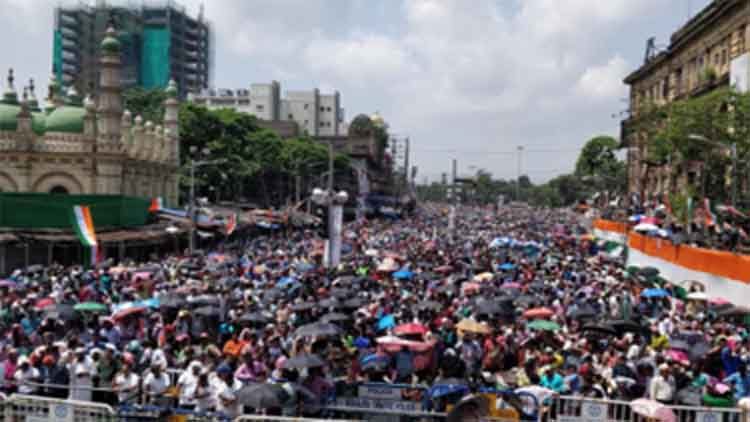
(155, 385)
(126, 384)
(661, 387)
(225, 387)
(25, 374)
(81, 377)
(187, 383)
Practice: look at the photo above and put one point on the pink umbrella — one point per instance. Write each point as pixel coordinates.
(410, 329)
(143, 275)
(650, 220)
(43, 303)
(470, 287)
(393, 344)
(513, 285)
(718, 301)
(538, 313)
(678, 356)
(653, 409)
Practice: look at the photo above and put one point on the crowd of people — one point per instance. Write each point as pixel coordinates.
(514, 299)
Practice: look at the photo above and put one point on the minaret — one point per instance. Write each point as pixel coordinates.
(10, 96)
(109, 112)
(24, 117)
(89, 120)
(171, 123)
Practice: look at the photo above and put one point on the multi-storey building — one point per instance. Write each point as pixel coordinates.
(309, 112)
(697, 60)
(159, 43)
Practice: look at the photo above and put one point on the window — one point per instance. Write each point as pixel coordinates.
(665, 88)
(700, 62)
(716, 59)
(723, 57)
(259, 107)
(59, 190)
(328, 108)
(306, 105)
(322, 108)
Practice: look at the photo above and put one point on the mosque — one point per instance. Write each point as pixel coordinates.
(90, 146)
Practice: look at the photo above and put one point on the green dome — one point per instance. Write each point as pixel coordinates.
(110, 43)
(9, 117)
(67, 119)
(38, 122)
(171, 89)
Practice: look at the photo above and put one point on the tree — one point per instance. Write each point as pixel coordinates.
(148, 103)
(598, 165)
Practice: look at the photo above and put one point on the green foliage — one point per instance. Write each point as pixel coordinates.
(361, 126)
(148, 103)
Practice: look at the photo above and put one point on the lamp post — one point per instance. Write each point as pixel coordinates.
(195, 163)
(335, 203)
(733, 154)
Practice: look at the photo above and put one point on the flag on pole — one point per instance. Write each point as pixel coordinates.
(83, 225)
(710, 217)
(157, 204)
(231, 225)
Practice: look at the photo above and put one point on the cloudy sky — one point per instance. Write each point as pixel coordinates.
(465, 79)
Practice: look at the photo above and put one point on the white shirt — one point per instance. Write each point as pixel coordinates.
(154, 385)
(222, 392)
(661, 389)
(187, 383)
(21, 377)
(128, 385)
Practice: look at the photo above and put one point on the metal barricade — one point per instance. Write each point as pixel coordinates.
(35, 408)
(265, 418)
(380, 401)
(580, 409)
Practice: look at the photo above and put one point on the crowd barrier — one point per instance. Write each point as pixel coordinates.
(579, 409)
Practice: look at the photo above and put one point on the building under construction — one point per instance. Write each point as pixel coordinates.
(159, 41)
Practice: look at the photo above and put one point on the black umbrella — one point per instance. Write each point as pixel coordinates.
(734, 311)
(318, 329)
(429, 305)
(526, 300)
(255, 317)
(175, 302)
(60, 311)
(648, 272)
(331, 303)
(583, 313)
(698, 350)
(345, 279)
(624, 325)
(679, 344)
(492, 308)
(208, 311)
(335, 317)
(342, 293)
(304, 306)
(304, 360)
(600, 328)
(354, 302)
(261, 396)
(205, 300)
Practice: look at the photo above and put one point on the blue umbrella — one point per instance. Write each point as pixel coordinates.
(403, 275)
(654, 293)
(285, 281)
(507, 266)
(386, 322)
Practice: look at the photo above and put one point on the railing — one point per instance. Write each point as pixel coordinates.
(579, 409)
(34, 408)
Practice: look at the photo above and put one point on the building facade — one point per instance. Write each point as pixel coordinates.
(159, 43)
(311, 112)
(88, 146)
(697, 60)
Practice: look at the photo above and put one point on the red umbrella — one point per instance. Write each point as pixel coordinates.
(410, 329)
(538, 313)
(128, 311)
(444, 269)
(43, 303)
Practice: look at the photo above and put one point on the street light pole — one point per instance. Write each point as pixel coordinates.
(518, 178)
(191, 206)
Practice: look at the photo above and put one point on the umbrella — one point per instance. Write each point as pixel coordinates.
(128, 310)
(43, 303)
(648, 272)
(344, 279)
(341, 293)
(493, 308)
(702, 296)
(734, 311)
(354, 302)
(469, 407)
(318, 329)
(254, 317)
(511, 286)
(645, 227)
(174, 302)
(410, 329)
(600, 328)
(335, 317)
(525, 300)
(208, 312)
(653, 409)
(624, 325)
(261, 396)
(583, 313)
(205, 300)
(91, 307)
(304, 306)
(544, 325)
(444, 269)
(304, 360)
(386, 322)
(654, 293)
(507, 266)
(471, 326)
(538, 313)
(403, 275)
(63, 312)
(375, 362)
(331, 302)
(718, 301)
(7, 284)
(483, 277)
(429, 305)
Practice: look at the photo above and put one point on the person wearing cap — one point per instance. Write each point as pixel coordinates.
(187, 383)
(81, 377)
(126, 382)
(25, 375)
(662, 386)
(225, 388)
(155, 386)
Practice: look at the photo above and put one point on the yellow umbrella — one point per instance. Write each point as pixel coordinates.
(471, 326)
(483, 277)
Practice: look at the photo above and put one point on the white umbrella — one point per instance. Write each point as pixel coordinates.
(698, 296)
(645, 227)
(653, 409)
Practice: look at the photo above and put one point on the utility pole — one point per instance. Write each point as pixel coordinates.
(453, 199)
(518, 178)
(406, 166)
(734, 174)
(330, 166)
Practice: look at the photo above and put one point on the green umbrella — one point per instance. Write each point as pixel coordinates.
(543, 324)
(91, 307)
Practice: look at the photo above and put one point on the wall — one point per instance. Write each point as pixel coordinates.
(302, 107)
(329, 115)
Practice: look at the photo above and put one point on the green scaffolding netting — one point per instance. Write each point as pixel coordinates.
(155, 70)
(45, 211)
(57, 55)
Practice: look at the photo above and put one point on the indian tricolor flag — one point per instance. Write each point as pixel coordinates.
(157, 204)
(231, 225)
(84, 228)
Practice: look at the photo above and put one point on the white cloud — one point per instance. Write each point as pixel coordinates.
(605, 81)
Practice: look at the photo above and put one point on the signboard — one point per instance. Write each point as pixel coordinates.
(379, 392)
(376, 404)
(708, 417)
(59, 412)
(590, 412)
